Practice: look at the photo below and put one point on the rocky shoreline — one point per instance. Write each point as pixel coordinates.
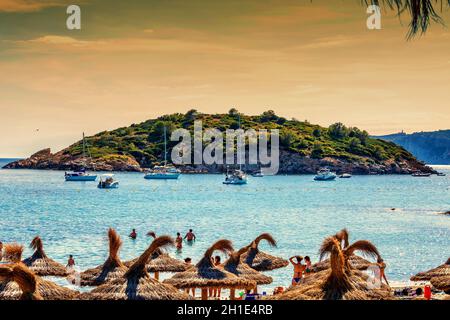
(290, 163)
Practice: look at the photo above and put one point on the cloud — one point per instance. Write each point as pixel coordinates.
(27, 5)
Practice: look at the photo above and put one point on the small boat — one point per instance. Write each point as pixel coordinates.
(165, 172)
(80, 175)
(421, 174)
(345, 176)
(325, 174)
(237, 177)
(107, 182)
(257, 174)
(441, 174)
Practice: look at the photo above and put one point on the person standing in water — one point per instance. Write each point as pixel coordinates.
(70, 262)
(179, 242)
(308, 266)
(382, 266)
(133, 234)
(190, 236)
(299, 268)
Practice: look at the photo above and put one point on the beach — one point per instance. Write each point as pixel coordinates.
(399, 214)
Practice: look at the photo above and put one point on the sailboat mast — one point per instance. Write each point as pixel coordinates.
(84, 151)
(240, 160)
(165, 147)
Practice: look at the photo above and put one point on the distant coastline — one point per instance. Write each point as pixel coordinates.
(304, 147)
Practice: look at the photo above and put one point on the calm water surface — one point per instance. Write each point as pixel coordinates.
(73, 217)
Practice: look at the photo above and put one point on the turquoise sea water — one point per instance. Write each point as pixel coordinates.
(73, 217)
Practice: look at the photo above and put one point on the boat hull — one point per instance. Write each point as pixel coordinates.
(235, 182)
(114, 185)
(81, 178)
(162, 176)
(328, 178)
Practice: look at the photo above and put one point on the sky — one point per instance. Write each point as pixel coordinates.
(135, 60)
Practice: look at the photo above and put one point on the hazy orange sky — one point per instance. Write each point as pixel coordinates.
(134, 60)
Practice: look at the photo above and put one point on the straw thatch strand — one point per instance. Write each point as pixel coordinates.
(262, 261)
(18, 282)
(340, 282)
(12, 253)
(442, 270)
(235, 265)
(442, 283)
(42, 265)
(112, 269)
(205, 275)
(136, 283)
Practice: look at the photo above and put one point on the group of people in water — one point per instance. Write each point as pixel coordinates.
(189, 237)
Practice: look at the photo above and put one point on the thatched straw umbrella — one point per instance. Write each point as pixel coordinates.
(136, 283)
(341, 281)
(441, 271)
(12, 253)
(262, 261)
(235, 265)
(160, 262)
(205, 275)
(18, 282)
(357, 262)
(112, 269)
(442, 283)
(42, 265)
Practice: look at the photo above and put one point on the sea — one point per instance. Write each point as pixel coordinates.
(398, 213)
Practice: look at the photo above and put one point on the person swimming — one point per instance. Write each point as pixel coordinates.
(133, 234)
(190, 236)
(299, 268)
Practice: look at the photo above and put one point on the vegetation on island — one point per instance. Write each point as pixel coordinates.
(145, 141)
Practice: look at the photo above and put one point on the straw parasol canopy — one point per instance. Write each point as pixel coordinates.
(205, 275)
(42, 265)
(12, 253)
(112, 269)
(441, 271)
(235, 265)
(160, 261)
(356, 262)
(18, 282)
(136, 283)
(341, 281)
(262, 261)
(441, 283)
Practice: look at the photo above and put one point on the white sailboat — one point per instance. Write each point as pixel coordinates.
(236, 177)
(164, 172)
(80, 175)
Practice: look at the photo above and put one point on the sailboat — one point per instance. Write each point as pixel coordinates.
(80, 175)
(236, 177)
(164, 172)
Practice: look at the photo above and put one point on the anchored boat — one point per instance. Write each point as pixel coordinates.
(81, 175)
(237, 177)
(164, 172)
(107, 182)
(325, 174)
